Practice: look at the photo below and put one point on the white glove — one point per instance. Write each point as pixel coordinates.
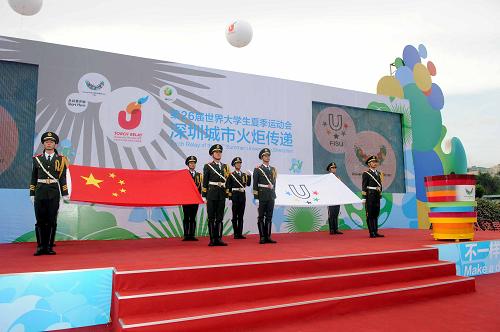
(32, 198)
(62, 206)
(66, 199)
(204, 199)
(257, 201)
(363, 201)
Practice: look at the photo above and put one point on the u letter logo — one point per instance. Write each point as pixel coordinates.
(304, 192)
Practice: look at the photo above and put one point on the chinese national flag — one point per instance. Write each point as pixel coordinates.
(127, 187)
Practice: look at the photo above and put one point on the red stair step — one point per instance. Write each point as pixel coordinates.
(245, 295)
(338, 302)
(191, 277)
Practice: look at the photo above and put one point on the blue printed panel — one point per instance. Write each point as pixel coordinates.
(45, 301)
(472, 258)
(18, 96)
(18, 215)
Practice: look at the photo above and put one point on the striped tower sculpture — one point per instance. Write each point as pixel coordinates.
(451, 202)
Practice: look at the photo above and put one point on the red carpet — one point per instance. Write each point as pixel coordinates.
(306, 282)
(162, 253)
(222, 297)
(472, 312)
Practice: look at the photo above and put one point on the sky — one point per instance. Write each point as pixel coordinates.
(344, 44)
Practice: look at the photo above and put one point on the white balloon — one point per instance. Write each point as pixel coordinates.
(239, 33)
(26, 7)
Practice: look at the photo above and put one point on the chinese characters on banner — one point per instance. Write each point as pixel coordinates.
(234, 129)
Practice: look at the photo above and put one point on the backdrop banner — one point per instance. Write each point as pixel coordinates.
(120, 112)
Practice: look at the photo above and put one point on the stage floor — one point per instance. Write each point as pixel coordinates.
(167, 253)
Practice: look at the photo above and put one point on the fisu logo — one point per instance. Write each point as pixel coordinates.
(335, 121)
(130, 118)
(302, 194)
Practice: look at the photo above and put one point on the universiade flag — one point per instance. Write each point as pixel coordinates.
(126, 187)
(313, 190)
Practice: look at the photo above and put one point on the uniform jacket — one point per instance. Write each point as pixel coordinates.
(214, 192)
(243, 179)
(198, 180)
(369, 181)
(57, 168)
(259, 192)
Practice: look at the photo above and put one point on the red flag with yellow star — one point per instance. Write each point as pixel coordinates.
(128, 187)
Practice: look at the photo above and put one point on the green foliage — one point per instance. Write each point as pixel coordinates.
(479, 191)
(491, 184)
(488, 210)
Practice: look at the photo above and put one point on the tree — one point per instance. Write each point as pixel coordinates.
(490, 184)
(479, 191)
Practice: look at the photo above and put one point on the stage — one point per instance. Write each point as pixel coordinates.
(167, 284)
(169, 253)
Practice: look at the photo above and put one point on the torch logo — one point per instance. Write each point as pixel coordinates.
(130, 118)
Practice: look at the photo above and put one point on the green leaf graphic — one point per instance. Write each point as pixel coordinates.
(172, 225)
(378, 106)
(302, 219)
(83, 222)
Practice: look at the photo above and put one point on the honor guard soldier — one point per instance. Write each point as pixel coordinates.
(372, 193)
(214, 191)
(235, 188)
(190, 210)
(333, 210)
(48, 186)
(264, 182)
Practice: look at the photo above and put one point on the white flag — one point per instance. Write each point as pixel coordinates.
(313, 190)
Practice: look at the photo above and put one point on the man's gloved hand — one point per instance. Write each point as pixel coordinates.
(204, 200)
(32, 198)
